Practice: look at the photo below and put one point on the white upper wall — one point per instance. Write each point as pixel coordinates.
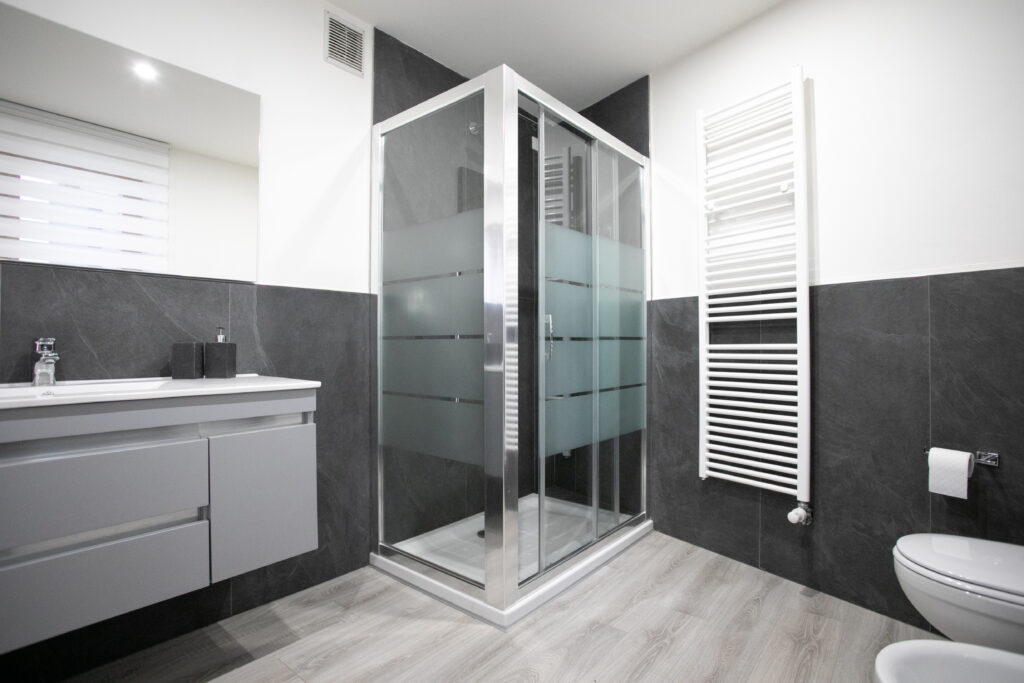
(917, 108)
(315, 118)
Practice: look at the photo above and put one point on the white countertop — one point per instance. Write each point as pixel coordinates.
(24, 395)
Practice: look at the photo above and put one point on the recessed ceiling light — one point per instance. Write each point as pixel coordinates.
(145, 71)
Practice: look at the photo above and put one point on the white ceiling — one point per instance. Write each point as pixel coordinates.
(577, 50)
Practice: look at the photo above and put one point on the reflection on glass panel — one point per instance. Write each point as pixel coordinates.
(431, 346)
(567, 521)
(621, 329)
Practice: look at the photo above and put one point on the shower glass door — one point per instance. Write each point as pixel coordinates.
(591, 358)
(431, 339)
(567, 415)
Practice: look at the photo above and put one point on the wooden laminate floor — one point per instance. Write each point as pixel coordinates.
(664, 610)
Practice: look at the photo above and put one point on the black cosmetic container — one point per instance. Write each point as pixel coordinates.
(220, 357)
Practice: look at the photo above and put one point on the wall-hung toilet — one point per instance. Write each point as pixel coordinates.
(970, 589)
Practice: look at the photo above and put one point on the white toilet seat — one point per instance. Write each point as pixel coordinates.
(971, 590)
(958, 584)
(973, 561)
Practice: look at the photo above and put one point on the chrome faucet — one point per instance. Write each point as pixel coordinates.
(44, 372)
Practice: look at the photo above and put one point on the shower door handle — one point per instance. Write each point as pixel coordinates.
(551, 337)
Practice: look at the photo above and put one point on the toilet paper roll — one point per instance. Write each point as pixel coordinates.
(948, 471)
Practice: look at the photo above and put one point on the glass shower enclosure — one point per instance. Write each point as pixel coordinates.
(510, 262)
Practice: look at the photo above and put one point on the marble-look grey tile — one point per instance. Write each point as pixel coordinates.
(107, 324)
(243, 330)
(321, 335)
(714, 514)
(869, 390)
(421, 493)
(977, 397)
(626, 114)
(404, 77)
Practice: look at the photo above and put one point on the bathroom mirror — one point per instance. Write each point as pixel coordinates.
(204, 223)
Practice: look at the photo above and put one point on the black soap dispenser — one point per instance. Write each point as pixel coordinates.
(219, 358)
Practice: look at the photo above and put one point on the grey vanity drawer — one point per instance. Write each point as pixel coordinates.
(44, 597)
(262, 498)
(51, 497)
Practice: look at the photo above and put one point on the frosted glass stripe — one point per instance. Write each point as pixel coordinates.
(570, 368)
(442, 428)
(621, 362)
(620, 265)
(571, 309)
(569, 420)
(620, 313)
(438, 306)
(621, 411)
(568, 254)
(568, 423)
(440, 247)
(434, 367)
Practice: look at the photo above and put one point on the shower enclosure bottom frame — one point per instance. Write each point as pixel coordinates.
(437, 584)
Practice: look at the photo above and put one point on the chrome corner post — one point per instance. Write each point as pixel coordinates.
(648, 256)
(376, 270)
(501, 344)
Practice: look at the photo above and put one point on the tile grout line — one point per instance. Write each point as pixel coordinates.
(229, 311)
(928, 299)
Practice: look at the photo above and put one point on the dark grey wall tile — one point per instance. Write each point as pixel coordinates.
(626, 114)
(713, 514)
(404, 77)
(107, 324)
(977, 396)
(321, 335)
(423, 492)
(870, 422)
(897, 365)
(243, 330)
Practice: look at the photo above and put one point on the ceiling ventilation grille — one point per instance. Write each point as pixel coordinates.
(343, 44)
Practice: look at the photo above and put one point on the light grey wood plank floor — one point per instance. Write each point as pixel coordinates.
(664, 610)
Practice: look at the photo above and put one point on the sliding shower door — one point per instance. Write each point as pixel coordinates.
(591, 347)
(431, 339)
(621, 331)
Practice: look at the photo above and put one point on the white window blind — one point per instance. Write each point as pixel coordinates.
(79, 194)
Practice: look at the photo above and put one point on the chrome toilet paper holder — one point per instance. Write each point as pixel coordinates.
(986, 458)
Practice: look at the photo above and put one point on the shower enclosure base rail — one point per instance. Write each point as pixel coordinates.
(439, 585)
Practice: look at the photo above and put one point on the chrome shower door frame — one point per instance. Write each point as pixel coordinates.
(502, 598)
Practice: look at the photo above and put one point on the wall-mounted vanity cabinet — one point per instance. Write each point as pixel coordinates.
(117, 495)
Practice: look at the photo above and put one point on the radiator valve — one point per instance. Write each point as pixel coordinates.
(801, 514)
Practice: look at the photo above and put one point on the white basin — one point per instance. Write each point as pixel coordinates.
(24, 395)
(942, 661)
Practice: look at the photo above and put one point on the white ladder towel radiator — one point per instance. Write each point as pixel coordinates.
(755, 396)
